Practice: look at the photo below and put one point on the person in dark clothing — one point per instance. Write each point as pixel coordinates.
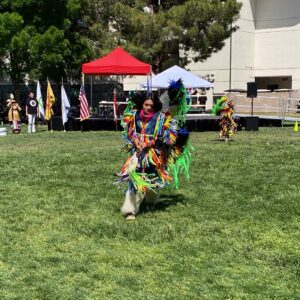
(32, 111)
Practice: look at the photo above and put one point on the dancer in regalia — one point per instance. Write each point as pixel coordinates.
(157, 146)
(13, 114)
(225, 109)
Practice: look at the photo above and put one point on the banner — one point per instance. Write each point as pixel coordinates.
(65, 105)
(49, 102)
(84, 108)
(39, 99)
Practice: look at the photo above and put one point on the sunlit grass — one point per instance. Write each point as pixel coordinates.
(231, 232)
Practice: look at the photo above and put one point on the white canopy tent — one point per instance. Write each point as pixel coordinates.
(162, 80)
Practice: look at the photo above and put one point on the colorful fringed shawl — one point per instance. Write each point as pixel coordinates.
(167, 152)
(147, 168)
(227, 123)
(181, 153)
(225, 109)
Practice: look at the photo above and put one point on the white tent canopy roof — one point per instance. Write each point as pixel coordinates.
(163, 79)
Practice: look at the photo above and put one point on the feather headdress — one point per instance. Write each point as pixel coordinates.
(180, 99)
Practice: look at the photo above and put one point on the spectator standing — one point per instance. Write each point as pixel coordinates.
(32, 110)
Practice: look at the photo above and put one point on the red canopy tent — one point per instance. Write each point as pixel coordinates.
(117, 62)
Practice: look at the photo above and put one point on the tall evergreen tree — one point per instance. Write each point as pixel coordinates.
(158, 30)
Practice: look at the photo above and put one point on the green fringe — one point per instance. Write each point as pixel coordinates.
(182, 164)
(182, 107)
(141, 182)
(129, 108)
(218, 106)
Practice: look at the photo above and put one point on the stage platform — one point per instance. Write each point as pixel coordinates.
(267, 118)
(195, 122)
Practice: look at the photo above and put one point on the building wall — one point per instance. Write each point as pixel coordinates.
(133, 83)
(267, 44)
(278, 39)
(242, 53)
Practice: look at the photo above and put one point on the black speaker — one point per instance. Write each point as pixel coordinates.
(251, 90)
(251, 123)
(55, 123)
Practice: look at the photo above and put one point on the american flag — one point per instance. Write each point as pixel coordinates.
(84, 107)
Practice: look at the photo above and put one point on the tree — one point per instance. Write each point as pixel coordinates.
(14, 48)
(53, 38)
(156, 31)
(42, 39)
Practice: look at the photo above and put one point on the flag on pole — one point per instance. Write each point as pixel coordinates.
(84, 108)
(39, 99)
(115, 107)
(148, 86)
(49, 102)
(65, 105)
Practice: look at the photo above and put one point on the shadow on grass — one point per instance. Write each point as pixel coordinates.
(223, 141)
(164, 202)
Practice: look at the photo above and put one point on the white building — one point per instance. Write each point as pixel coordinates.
(265, 49)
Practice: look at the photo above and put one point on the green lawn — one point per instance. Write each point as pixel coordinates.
(231, 232)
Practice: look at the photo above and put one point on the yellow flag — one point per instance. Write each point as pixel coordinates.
(296, 126)
(49, 102)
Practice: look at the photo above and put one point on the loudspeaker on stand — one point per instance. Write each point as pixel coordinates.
(251, 90)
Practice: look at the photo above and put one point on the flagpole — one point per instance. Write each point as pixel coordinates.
(38, 115)
(61, 100)
(91, 92)
(115, 108)
(82, 81)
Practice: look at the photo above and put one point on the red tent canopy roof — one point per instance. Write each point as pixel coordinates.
(117, 62)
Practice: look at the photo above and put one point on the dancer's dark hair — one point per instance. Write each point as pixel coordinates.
(140, 98)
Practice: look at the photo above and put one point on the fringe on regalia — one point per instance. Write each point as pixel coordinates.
(225, 109)
(180, 156)
(169, 152)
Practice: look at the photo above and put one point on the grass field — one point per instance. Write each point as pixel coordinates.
(231, 232)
